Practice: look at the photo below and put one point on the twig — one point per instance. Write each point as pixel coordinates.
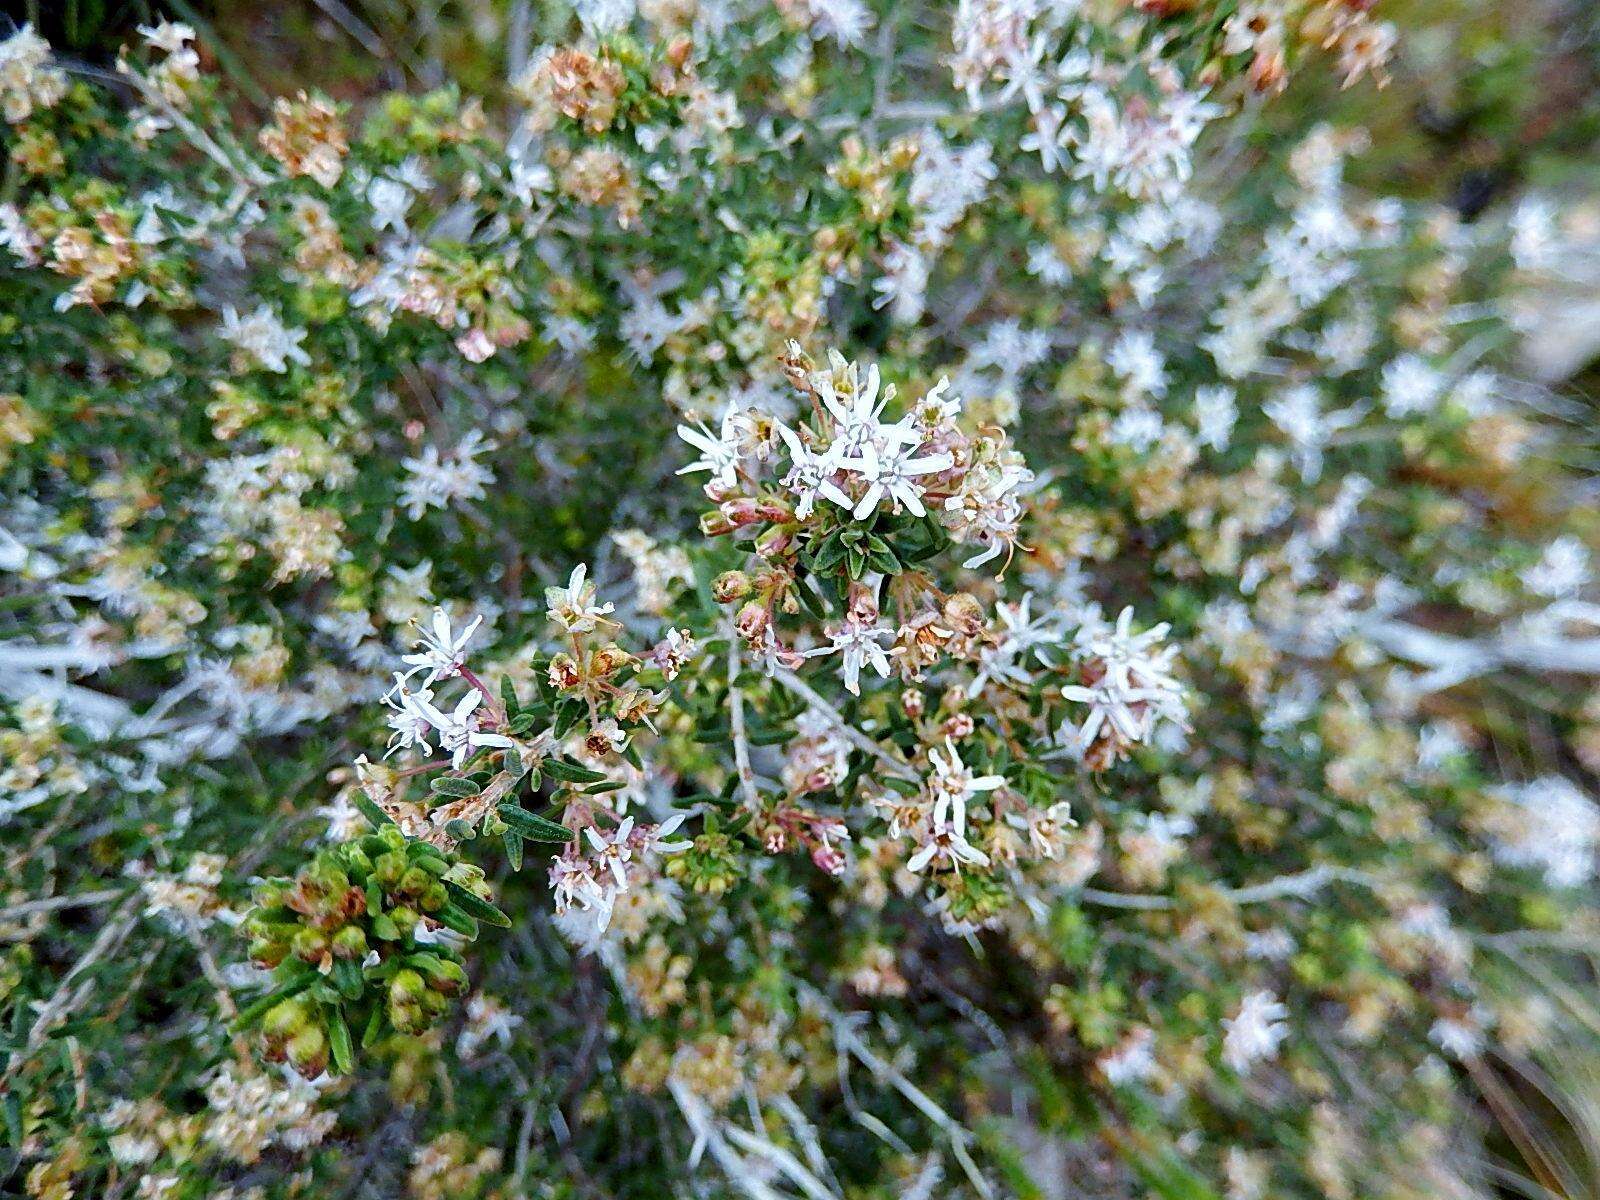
(741, 739)
(27, 908)
(849, 732)
(1300, 884)
(849, 1041)
(66, 998)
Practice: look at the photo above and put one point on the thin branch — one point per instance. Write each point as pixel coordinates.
(66, 998)
(27, 908)
(741, 739)
(849, 732)
(1301, 884)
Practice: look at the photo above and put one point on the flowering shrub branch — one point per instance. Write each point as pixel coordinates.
(807, 599)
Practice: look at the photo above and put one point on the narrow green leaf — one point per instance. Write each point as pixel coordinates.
(532, 826)
(570, 772)
(344, 1058)
(369, 1036)
(454, 785)
(13, 1112)
(476, 906)
(347, 978)
(372, 812)
(452, 916)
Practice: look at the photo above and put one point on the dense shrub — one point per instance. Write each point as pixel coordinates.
(824, 602)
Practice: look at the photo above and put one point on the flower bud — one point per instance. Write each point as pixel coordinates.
(608, 660)
(350, 942)
(284, 1020)
(309, 945)
(564, 674)
(308, 1052)
(730, 586)
(714, 524)
(407, 1018)
(957, 726)
(752, 621)
(447, 977)
(775, 542)
(387, 869)
(268, 953)
(963, 614)
(406, 986)
(356, 859)
(405, 919)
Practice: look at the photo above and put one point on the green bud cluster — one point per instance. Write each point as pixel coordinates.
(340, 938)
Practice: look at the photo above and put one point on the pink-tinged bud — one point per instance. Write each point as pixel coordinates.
(730, 586)
(913, 702)
(746, 511)
(775, 542)
(862, 605)
(740, 511)
(958, 726)
(475, 345)
(777, 840)
(828, 859)
(753, 621)
(714, 524)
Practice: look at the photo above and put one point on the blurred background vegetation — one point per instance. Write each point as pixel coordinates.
(1489, 100)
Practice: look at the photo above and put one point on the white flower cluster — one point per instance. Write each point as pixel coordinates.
(415, 718)
(857, 461)
(587, 885)
(27, 80)
(1255, 1032)
(1551, 827)
(1128, 684)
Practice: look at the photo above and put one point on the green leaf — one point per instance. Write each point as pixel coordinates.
(513, 841)
(532, 826)
(344, 1058)
(13, 1113)
(809, 600)
(371, 811)
(452, 916)
(454, 785)
(570, 772)
(347, 978)
(476, 906)
(508, 696)
(600, 789)
(369, 1036)
(830, 553)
